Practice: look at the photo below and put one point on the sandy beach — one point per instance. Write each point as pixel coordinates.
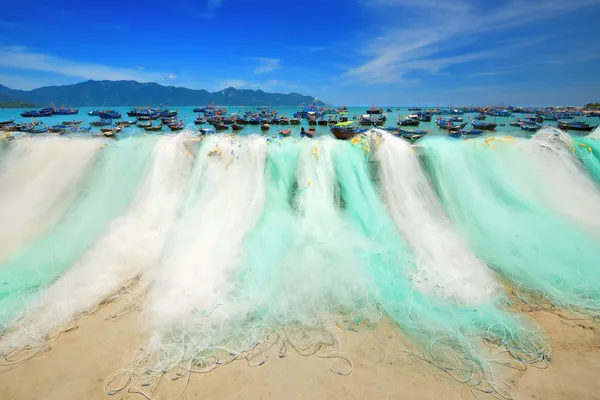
(81, 360)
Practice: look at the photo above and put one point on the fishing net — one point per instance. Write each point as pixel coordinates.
(445, 265)
(439, 326)
(38, 180)
(526, 243)
(587, 149)
(106, 193)
(131, 244)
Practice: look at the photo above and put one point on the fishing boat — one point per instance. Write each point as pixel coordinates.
(154, 128)
(200, 121)
(456, 118)
(414, 108)
(346, 130)
(109, 114)
(365, 120)
(144, 124)
(480, 117)
(264, 127)
(46, 112)
(374, 110)
(102, 122)
(147, 117)
(575, 126)
(219, 126)
(111, 129)
(237, 127)
(126, 122)
(285, 132)
(403, 131)
(529, 128)
(30, 114)
(57, 129)
(308, 134)
(321, 121)
(78, 129)
(94, 113)
(407, 121)
(295, 121)
(71, 123)
(484, 126)
(43, 129)
(66, 111)
(177, 126)
(7, 122)
(471, 132)
(284, 121)
(206, 131)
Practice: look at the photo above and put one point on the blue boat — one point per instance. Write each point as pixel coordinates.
(66, 111)
(472, 132)
(529, 127)
(94, 113)
(101, 122)
(485, 126)
(109, 114)
(30, 114)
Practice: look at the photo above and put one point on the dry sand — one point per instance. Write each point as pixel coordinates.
(82, 359)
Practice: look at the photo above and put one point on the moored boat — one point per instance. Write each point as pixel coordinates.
(237, 127)
(154, 128)
(264, 127)
(101, 122)
(285, 132)
(575, 126)
(484, 126)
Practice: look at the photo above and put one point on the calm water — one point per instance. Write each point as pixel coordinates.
(188, 117)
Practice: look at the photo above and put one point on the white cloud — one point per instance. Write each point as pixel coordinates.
(21, 58)
(267, 65)
(400, 50)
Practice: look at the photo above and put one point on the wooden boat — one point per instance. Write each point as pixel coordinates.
(147, 117)
(109, 114)
(126, 122)
(484, 126)
(322, 121)
(219, 126)
(200, 121)
(144, 124)
(38, 130)
(285, 132)
(154, 128)
(30, 114)
(57, 130)
(529, 128)
(237, 127)
(206, 131)
(472, 132)
(480, 117)
(284, 121)
(409, 122)
(295, 121)
(7, 122)
(71, 123)
(78, 129)
(346, 130)
(177, 126)
(312, 121)
(575, 126)
(264, 127)
(102, 122)
(421, 132)
(114, 129)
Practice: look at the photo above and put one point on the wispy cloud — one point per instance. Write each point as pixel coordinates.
(21, 58)
(397, 51)
(266, 64)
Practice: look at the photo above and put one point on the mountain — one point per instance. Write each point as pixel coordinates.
(132, 93)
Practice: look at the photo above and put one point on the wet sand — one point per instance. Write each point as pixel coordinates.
(80, 361)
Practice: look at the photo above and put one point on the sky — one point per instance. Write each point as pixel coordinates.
(354, 52)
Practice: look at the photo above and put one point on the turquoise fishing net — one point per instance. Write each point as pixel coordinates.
(588, 151)
(108, 190)
(525, 243)
(434, 323)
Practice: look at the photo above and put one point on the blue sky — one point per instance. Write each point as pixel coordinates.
(354, 52)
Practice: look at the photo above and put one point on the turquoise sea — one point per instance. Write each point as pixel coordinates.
(188, 117)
